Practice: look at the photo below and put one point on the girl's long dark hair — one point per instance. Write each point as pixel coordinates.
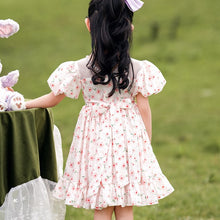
(111, 33)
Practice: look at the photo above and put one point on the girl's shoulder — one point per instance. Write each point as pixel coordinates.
(77, 67)
(66, 78)
(76, 64)
(140, 65)
(148, 78)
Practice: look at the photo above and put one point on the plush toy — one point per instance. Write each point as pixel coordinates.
(9, 99)
(8, 27)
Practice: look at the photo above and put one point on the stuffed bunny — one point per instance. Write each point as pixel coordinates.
(9, 100)
(8, 27)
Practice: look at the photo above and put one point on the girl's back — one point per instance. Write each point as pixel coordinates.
(111, 163)
(71, 77)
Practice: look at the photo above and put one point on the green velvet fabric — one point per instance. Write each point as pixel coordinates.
(26, 148)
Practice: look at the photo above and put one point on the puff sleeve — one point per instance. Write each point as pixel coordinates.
(149, 79)
(66, 79)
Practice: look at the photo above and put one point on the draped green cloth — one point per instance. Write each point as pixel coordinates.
(26, 148)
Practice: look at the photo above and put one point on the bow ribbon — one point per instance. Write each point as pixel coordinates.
(96, 108)
(134, 5)
(99, 107)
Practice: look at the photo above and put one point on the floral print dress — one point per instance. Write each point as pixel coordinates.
(111, 161)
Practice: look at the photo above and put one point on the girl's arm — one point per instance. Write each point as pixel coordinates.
(144, 108)
(45, 101)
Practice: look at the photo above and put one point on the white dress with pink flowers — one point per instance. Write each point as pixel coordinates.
(111, 161)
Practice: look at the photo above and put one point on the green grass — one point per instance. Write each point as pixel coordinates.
(185, 46)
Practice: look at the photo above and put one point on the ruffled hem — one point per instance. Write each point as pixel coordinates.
(99, 197)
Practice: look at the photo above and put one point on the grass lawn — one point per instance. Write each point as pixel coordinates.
(182, 39)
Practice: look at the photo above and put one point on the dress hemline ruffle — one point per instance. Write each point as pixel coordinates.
(105, 195)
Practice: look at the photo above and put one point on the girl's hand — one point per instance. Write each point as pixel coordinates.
(10, 89)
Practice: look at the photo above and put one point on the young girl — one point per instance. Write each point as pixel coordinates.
(111, 166)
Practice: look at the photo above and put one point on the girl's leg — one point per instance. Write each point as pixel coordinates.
(104, 214)
(124, 213)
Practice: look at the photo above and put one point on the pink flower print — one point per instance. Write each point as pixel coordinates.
(121, 138)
